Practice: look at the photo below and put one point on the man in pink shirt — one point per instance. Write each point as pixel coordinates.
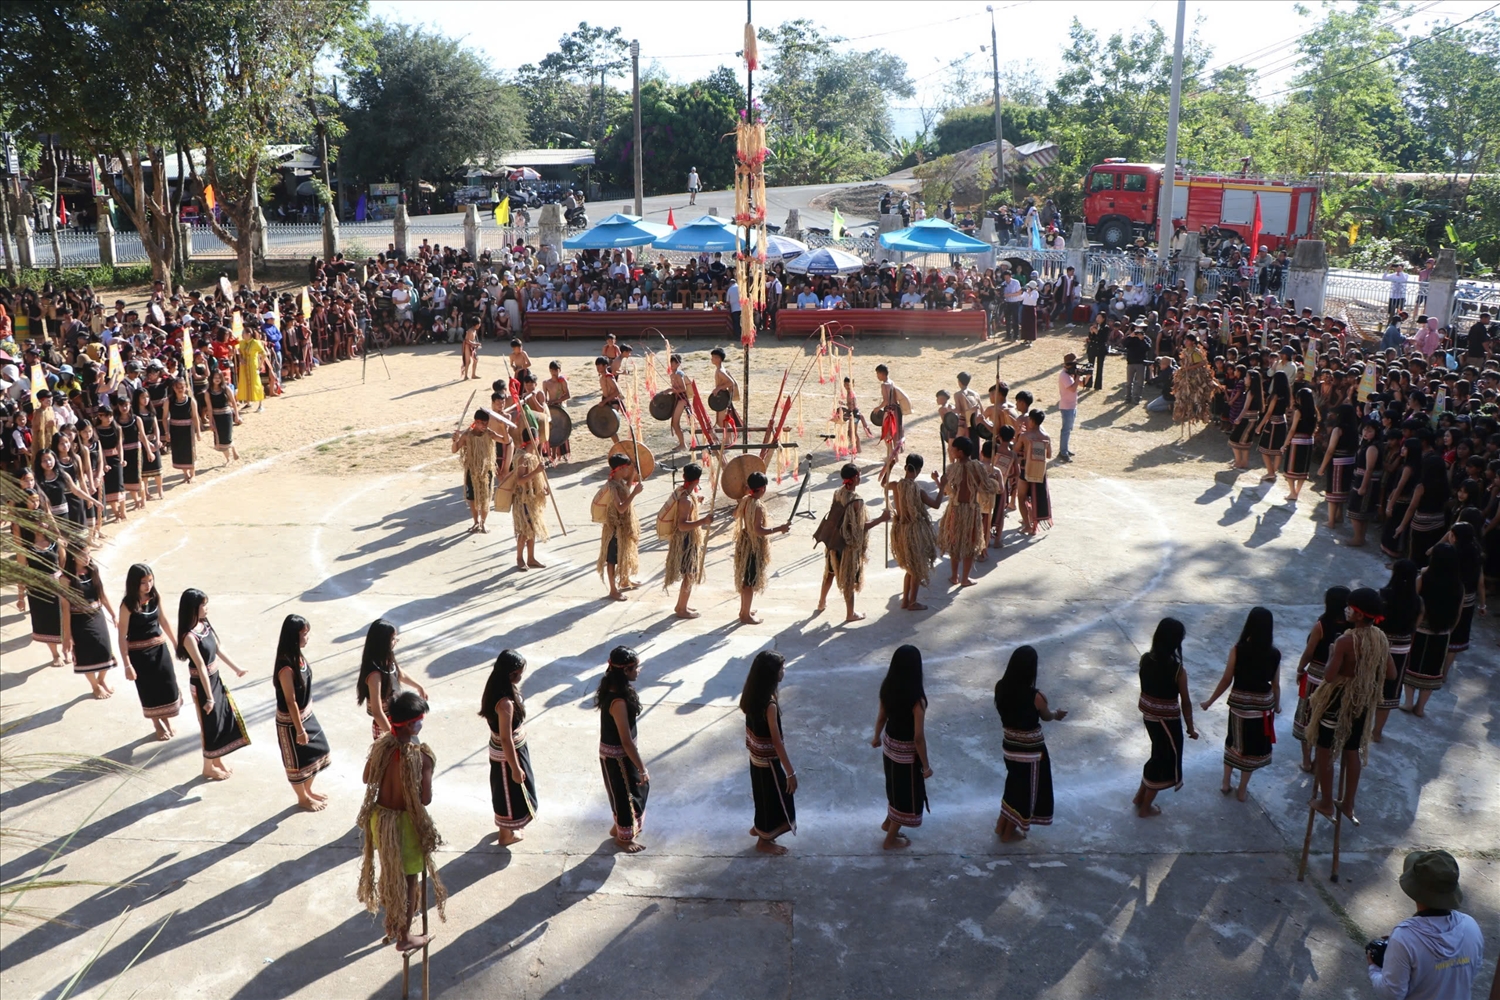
(1067, 402)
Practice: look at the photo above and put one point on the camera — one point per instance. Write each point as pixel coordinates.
(1375, 950)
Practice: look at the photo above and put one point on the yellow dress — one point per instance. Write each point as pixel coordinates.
(529, 506)
(249, 389)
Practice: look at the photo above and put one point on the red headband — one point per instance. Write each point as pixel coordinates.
(851, 483)
(408, 722)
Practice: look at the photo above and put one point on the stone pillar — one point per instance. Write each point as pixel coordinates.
(715, 212)
(25, 241)
(889, 223)
(1307, 278)
(106, 234)
(1187, 261)
(550, 229)
(471, 230)
(627, 209)
(1078, 249)
(402, 237)
(987, 229)
(330, 233)
(260, 237)
(185, 241)
(792, 228)
(1440, 287)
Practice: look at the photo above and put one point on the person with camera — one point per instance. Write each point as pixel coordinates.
(1435, 954)
(1137, 350)
(1160, 379)
(1068, 381)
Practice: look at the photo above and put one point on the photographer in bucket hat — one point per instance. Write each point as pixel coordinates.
(1436, 954)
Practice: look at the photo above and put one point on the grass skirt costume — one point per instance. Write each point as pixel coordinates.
(514, 802)
(687, 549)
(478, 461)
(404, 838)
(151, 659)
(752, 550)
(1194, 391)
(529, 508)
(913, 537)
(847, 566)
(775, 808)
(1345, 706)
(620, 540)
(961, 528)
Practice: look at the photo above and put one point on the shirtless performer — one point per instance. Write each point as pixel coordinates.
(611, 351)
(609, 391)
(469, 362)
(520, 361)
(555, 388)
(621, 363)
(891, 431)
(502, 427)
(394, 823)
(848, 412)
(724, 380)
(473, 446)
(966, 405)
(752, 546)
(689, 542)
(679, 388)
(846, 543)
(619, 540)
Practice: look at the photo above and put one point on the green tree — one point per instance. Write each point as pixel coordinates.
(424, 108)
(961, 128)
(1452, 88)
(682, 127)
(582, 57)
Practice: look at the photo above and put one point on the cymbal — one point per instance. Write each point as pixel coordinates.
(662, 404)
(562, 426)
(603, 420)
(736, 471)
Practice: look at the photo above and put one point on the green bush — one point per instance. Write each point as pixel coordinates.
(103, 276)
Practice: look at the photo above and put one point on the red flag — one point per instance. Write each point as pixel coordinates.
(670, 221)
(1255, 231)
(62, 212)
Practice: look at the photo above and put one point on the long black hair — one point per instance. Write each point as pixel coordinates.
(614, 684)
(1434, 480)
(1335, 600)
(1256, 635)
(1307, 404)
(379, 656)
(500, 686)
(761, 682)
(1166, 642)
(1281, 388)
(188, 608)
(1466, 542)
(902, 688)
(1403, 605)
(1442, 590)
(289, 646)
(133, 578)
(1019, 680)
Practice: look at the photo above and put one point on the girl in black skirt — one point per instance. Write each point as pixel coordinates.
(1464, 538)
(182, 429)
(146, 641)
(303, 745)
(114, 465)
(223, 729)
(151, 437)
(1253, 679)
(1338, 462)
(1393, 537)
(626, 779)
(41, 553)
(133, 450)
(773, 780)
(1164, 704)
(1299, 445)
(1426, 520)
(85, 634)
(900, 732)
(1242, 435)
(512, 784)
(1369, 469)
(1273, 426)
(226, 415)
(1442, 593)
(1028, 766)
(1403, 606)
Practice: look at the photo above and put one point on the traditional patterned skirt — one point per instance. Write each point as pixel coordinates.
(1426, 531)
(1299, 457)
(301, 762)
(1365, 507)
(1390, 690)
(181, 434)
(1028, 779)
(1164, 725)
(627, 792)
(223, 428)
(1039, 499)
(114, 476)
(1273, 436)
(151, 466)
(1392, 544)
(91, 647)
(1340, 477)
(224, 730)
(905, 789)
(131, 467)
(1425, 668)
(1243, 434)
(514, 802)
(155, 681)
(1252, 729)
(1311, 681)
(46, 613)
(1460, 640)
(775, 808)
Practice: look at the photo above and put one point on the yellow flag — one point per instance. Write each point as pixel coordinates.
(208, 197)
(502, 212)
(237, 324)
(38, 383)
(838, 225)
(1353, 232)
(306, 305)
(187, 355)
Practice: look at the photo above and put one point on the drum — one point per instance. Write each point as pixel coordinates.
(877, 416)
(562, 426)
(736, 471)
(157, 316)
(950, 425)
(662, 404)
(225, 289)
(603, 420)
(982, 432)
(719, 400)
(640, 456)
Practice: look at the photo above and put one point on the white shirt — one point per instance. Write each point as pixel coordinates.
(1012, 290)
(910, 300)
(732, 296)
(619, 270)
(1029, 297)
(693, 183)
(1398, 284)
(597, 303)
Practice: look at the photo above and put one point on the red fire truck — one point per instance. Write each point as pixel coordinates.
(1120, 203)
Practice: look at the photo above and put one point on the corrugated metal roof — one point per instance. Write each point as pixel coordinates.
(547, 158)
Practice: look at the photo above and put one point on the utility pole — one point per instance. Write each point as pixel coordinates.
(999, 115)
(749, 119)
(1169, 169)
(338, 197)
(635, 98)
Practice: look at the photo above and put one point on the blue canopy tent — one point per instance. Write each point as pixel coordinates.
(933, 236)
(825, 260)
(617, 231)
(707, 234)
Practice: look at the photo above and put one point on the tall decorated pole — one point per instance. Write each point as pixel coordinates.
(750, 214)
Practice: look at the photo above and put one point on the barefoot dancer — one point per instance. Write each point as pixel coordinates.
(41, 552)
(1314, 662)
(773, 780)
(146, 640)
(512, 782)
(528, 509)
(626, 780)
(304, 746)
(1403, 605)
(1299, 446)
(219, 719)
(677, 382)
(226, 417)
(85, 634)
(1364, 499)
(620, 538)
(476, 454)
(1253, 680)
(961, 530)
(752, 546)
(1165, 704)
(689, 542)
(1034, 498)
(1028, 766)
(913, 538)
(1442, 592)
(381, 677)
(394, 822)
(723, 381)
(1273, 426)
(900, 731)
(1345, 705)
(468, 365)
(845, 534)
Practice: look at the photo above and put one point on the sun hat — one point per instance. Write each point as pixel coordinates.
(1431, 879)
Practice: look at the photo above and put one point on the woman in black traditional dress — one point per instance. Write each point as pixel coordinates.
(85, 634)
(1338, 461)
(1253, 679)
(91, 467)
(1273, 427)
(1242, 435)
(226, 415)
(512, 784)
(1465, 541)
(304, 746)
(1028, 766)
(1403, 606)
(900, 730)
(1164, 704)
(1329, 626)
(114, 466)
(145, 412)
(146, 640)
(773, 780)
(626, 780)
(182, 429)
(41, 551)
(201, 377)
(80, 499)
(1393, 536)
(1369, 470)
(1299, 445)
(219, 719)
(1442, 592)
(1426, 520)
(133, 448)
(380, 676)
(59, 490)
